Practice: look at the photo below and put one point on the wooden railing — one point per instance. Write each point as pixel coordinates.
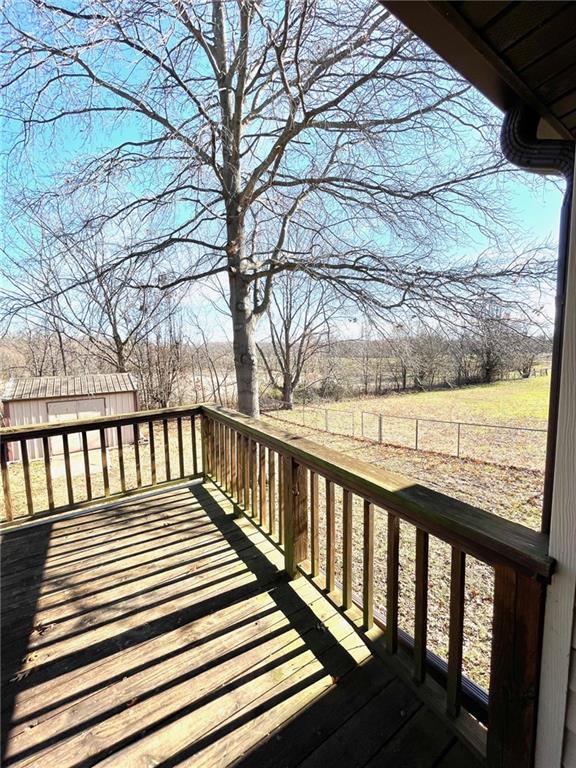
(276, 478)
(115, 456)
(323, 509)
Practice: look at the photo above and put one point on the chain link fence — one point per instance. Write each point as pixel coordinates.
(523, 447)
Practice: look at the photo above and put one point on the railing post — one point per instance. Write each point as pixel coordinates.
(295, 515)
(5, 479)
(380, 428)
(515, 671)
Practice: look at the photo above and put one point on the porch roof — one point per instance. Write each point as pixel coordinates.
(508, 50)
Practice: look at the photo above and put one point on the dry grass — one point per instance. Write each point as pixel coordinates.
(507, 405)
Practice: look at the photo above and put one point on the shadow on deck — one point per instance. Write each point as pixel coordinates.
(162, 632)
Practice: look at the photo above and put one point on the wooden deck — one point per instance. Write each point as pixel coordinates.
(163, 632)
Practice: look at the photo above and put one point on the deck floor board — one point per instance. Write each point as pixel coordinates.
(163, 632)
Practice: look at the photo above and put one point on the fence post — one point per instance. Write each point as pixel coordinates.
(326, 419)
(362, 422)
(416, 436)
(353, 423)
(380, 428)
(458, 442)
(295, 515)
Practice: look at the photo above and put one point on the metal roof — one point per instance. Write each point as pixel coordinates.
(48, 387)
(506, 49)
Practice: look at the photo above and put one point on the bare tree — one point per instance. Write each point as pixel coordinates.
(158, 361)
(219, 132)
(300, 316)
(429, 356)
(107, 313)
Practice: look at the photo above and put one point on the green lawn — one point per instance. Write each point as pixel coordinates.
(521, 403)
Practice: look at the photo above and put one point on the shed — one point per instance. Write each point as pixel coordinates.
(41, 399)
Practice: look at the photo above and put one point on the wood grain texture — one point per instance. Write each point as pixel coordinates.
(486, 536)
(196, 653)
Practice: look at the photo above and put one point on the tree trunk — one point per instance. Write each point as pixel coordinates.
(244, 345)
(287, 393)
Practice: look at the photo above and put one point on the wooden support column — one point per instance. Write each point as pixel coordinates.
(295, 515)
(515, 670)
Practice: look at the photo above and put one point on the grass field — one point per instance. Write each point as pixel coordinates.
(518, 403)
(449, 421)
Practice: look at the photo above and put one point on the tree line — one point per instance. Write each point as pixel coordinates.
(305, 352)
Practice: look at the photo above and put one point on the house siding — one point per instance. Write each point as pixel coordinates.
(569, 758)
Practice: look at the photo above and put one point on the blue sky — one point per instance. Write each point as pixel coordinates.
(535, 201)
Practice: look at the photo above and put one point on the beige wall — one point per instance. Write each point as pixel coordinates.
(36, 412)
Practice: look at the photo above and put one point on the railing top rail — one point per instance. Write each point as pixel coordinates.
(32, 431)
(482, 534)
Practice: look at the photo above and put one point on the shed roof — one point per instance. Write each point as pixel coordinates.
(41, 387)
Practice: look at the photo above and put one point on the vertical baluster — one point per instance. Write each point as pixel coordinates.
(347, 549)
(231, 461)
(314, 524)
(233, 465)
(421, 606)
(392, 583)
(5, 479)
(166, 448)
(280, 499)
(456, 632)
(104, 460)
(253, 477)
(152, 453)
(262, 484)
(216, 450)
(26, 470)
(69, 486)
(121, 459)
(204, 445)
(86, 457)
(210, 442)
(224, 454)
(180, 446)
(330, 537)
(221, 454)
(48, 471)
(271, 492)
(239, 470)
(368, 563)
(214, 454)
(246, 467)
(193, 436)
(137, 455)
(228, 443)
